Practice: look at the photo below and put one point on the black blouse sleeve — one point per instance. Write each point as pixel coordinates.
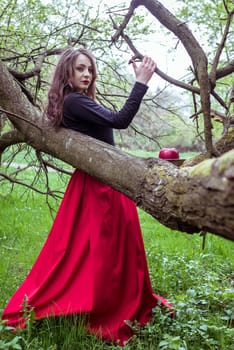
(79, 108)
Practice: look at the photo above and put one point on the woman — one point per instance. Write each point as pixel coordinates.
(93, 262)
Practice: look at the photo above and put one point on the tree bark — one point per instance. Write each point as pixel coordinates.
(189, 199)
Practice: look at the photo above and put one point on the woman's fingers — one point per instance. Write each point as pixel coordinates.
(145, 70)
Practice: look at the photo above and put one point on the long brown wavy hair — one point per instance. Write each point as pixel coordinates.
(61, 86)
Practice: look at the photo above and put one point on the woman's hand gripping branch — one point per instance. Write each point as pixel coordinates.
(145, 70)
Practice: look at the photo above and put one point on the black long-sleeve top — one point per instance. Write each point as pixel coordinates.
(83, 114)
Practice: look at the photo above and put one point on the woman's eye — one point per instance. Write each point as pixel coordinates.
(82, 69)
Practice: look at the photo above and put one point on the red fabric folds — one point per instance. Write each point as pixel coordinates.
(93, 262)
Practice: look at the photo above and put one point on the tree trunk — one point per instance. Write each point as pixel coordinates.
(189, 199)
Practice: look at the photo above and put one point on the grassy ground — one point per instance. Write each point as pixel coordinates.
(199, 282)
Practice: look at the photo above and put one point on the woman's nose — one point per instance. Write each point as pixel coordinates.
(86, 73)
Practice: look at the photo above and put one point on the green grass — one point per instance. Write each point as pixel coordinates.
(198, 282)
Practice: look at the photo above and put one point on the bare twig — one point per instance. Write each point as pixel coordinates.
(10, 138)
(25, 75)
(20, 117)
(213, 74)
(16, 181)
(226, 70)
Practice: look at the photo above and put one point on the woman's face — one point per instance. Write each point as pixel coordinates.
(83, 73)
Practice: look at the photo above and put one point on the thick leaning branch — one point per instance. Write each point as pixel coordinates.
(188, 199)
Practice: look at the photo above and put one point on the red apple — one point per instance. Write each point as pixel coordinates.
(168, 153)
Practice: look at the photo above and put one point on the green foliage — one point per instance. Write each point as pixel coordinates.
(32, 29)
(207, 18)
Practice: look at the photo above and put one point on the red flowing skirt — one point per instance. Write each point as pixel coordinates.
(93, 262)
